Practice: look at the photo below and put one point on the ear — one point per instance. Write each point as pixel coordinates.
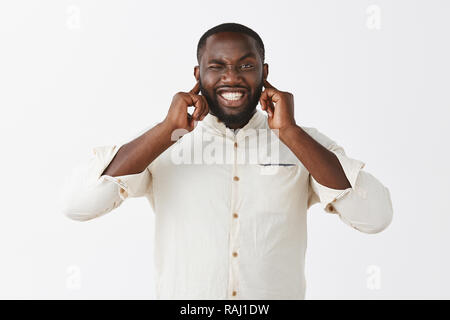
(265, 71)
(197, 72)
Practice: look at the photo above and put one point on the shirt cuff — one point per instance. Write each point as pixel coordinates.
(327, 195)
(132, 185)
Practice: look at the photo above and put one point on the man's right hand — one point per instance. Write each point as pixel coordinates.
(178, 116)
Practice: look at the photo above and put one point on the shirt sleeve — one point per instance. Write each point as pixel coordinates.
(87, 194)
(365, 206)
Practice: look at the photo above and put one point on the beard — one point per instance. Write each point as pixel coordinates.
(240, 118)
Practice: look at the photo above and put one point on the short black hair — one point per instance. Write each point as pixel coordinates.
(231, 27)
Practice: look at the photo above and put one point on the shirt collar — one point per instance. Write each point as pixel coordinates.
(211, 122)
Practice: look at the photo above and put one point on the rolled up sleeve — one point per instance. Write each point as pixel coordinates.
(88, 194)
(365, 206)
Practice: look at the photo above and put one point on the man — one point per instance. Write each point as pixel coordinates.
(230, 205)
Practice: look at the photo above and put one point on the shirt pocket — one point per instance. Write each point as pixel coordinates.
(277, 169)
(278, 178)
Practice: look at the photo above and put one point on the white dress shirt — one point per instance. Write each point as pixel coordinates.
(229, 226)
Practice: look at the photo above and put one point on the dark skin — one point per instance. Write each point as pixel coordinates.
(230, 62)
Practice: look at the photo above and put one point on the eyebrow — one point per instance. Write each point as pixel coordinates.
(247, 55)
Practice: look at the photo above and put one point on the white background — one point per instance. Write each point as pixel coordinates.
(372, 75)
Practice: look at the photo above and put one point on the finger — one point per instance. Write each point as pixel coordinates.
(268, 85)
(201, 109)
(262, 101)
(266, 102)
(191, 121)
(272, 95)
(266, 107)
(203, 105)
(271, 103)
(191, 124)
(191, 100)
(198, 104)
(196, 88)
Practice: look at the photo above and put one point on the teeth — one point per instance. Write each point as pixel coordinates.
(232, 95)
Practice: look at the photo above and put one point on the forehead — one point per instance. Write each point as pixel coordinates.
(229, 46)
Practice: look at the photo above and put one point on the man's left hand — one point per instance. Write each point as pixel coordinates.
(279, 106)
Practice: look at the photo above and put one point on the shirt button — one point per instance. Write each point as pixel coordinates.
(236, 178)
(235, 254)
(235, 215)
(234, 293)
(235, 144)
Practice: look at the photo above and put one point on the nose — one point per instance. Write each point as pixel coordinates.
(231, 75)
